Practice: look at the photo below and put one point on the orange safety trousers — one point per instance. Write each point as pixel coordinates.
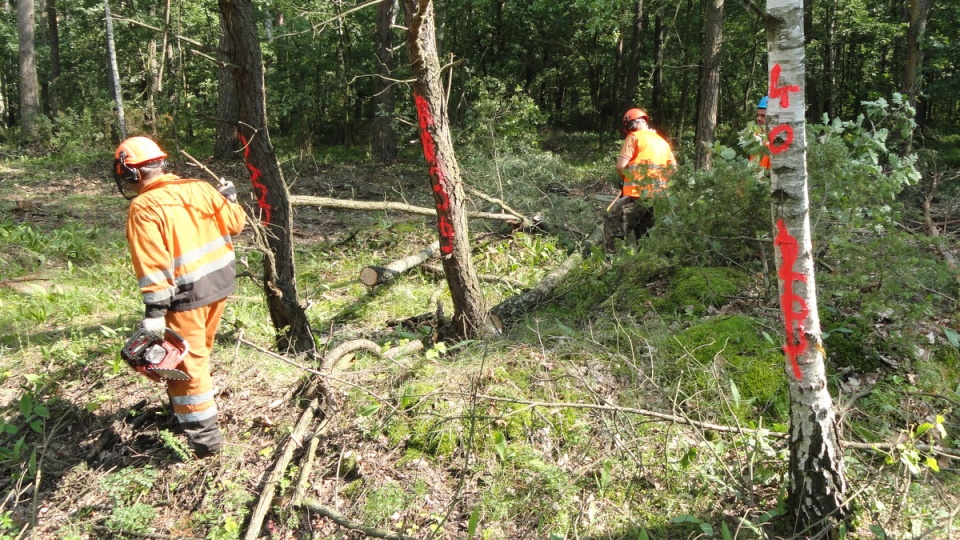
(193, 400)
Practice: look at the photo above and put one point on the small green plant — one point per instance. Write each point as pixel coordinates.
(125, 488)
(911, 456)
(177, 446)
(135, 518)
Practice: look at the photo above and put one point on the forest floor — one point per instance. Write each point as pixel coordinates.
(534, 435)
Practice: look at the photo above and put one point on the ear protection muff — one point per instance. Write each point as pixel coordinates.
(124, 175)
(124, 171)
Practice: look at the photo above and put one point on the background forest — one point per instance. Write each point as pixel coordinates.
(644, 398)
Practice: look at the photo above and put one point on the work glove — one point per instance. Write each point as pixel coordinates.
(228, 190)
(157, 325)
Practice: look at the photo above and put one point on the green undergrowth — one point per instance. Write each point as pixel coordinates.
(565, 426)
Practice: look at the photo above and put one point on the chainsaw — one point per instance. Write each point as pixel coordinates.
(156, 356)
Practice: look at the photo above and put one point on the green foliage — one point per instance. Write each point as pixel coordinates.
(125, 489)
(126, 486)
(178, 447)
(725, 364)
(500, 118)
(694, 291)
(382, 502)
(136, 518)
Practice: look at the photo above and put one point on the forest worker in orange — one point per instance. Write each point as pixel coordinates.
(760, 133)
(644, 166)
(181, 233)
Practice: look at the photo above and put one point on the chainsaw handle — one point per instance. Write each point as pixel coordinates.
(178, 340)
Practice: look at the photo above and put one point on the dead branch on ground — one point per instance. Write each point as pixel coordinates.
(347, 204)
(342, 521)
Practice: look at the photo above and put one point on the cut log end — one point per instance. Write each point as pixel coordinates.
(375, 275)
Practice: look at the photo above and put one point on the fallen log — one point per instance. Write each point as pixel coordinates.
(348, 204)
(512, 308)
(279, 470)
(377, 275)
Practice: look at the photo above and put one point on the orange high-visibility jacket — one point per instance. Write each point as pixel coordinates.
(180, 233)
(648, 154)
(764, 158)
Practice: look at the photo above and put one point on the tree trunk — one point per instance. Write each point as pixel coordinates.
(470, 317)
(919, 13)
(114, 71)
(29, 85)
(226, 143)
(817, 490)
(384, 137)
(288, 316)
(53, 28)
(657, 107)
(709, 85)
(633, 58)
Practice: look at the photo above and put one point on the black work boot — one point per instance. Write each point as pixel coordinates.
(204, 437)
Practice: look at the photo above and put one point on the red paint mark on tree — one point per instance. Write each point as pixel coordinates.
(437, 177)
(777, 147)
(781, 92)
(794, 307)
(255, 176)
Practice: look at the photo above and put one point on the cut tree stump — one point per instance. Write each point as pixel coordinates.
(376, 275)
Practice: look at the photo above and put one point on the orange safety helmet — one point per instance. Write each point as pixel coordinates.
(132, 154)
(631, 116)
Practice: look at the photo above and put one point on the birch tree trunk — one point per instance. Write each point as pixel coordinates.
(470, 317)
(709, 99)
(29, 85)
(273, 199)
(817, 490)
(114, 71)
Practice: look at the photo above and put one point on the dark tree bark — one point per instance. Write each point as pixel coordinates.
(227, 143)
(918, 12)
(657, 107)
(29, 85)
(633, 57)
(709, 95)
(384, 143)
(470, 317)
(53, 29)
(273, 199)
(817, 490)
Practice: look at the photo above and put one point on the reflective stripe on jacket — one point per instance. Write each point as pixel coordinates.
(648, 154)
(180, 234)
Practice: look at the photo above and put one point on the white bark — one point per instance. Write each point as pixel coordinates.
(817, 484)
(114, 71)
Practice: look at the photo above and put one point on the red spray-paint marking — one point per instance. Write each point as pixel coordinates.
(255, 175)
(777, 147)
(436, 175)
(781, 92)
(794, 307)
